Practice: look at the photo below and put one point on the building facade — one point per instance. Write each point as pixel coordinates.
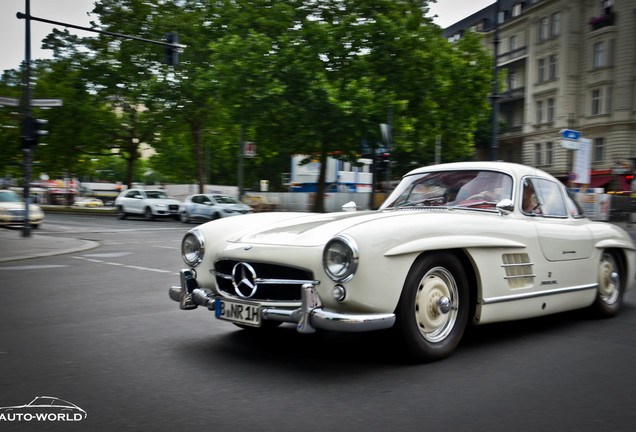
(564, 64)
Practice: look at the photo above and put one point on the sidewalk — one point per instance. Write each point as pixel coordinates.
(14, 247)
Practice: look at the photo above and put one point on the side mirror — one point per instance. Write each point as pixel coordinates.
(349, 207)
(505, 206)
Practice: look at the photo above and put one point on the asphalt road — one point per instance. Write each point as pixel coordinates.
(97, 328)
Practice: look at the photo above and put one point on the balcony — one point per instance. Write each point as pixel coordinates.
(513, 55)
(604, 20)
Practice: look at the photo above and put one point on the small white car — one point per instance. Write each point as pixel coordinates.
(149, 203)
(206, 207)
(87, 202)
(453, 245)
(12, 210)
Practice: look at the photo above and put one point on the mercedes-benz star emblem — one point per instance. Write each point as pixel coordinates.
(244, 280)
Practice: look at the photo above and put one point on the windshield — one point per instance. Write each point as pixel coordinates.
(156, 195)
(8, 196)
(222, 199)
(470, 189)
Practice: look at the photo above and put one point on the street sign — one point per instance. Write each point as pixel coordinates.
(41, 103)
(570, 134)
(249, 149)
(7, 101)
(46, 103)
(570, 144)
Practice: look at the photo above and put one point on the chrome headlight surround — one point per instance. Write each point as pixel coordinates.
(340, 258)
(193, 247)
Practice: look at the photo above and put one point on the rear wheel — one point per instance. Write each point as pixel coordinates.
(609, 298)
(121, 214)
(184, 217)
(433, 311)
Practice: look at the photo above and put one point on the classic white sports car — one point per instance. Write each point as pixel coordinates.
(453, 245)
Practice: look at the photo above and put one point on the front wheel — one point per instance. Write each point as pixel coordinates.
(148, 214)
(433, 310)
(609, 298)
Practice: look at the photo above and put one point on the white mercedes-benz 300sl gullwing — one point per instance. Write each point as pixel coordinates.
(453, 245)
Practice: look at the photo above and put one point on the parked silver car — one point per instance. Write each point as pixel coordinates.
(205, 207)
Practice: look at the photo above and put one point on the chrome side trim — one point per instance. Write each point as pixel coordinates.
(517, 297)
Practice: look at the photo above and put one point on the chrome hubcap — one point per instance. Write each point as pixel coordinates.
(436, 304)
(609, 280)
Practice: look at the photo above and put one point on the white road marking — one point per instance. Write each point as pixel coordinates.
(124, 265)
(33, 267)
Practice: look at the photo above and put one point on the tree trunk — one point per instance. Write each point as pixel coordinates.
(319, 203)
(198, 156)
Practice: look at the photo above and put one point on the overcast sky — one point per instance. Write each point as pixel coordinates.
(75, 12)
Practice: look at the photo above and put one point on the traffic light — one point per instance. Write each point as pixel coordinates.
(172, 52)
(31, 131)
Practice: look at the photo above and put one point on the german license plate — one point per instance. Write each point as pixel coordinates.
(238, 312)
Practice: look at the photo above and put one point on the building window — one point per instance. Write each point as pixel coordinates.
(553, 66)
(512, 79)
(549, 153)
(513, 43)
(556, 24)
(550, 110)
(541, 70)
(599, 53)
(608, 100)
(610, 53)
(543, 29)
(599, 149)
(502, 17)
(537, 154)
(539, 112)
(596, 102)
(516, 10)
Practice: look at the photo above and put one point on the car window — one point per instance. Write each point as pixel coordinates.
(132, 194)
(205, 200)
(574, 207)
(156, 195)
(222, 199)
(542, 197)
(463, 188)
(8, 196)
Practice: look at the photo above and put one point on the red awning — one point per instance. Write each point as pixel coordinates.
(600, 181)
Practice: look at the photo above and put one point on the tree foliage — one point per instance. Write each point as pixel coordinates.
(295, 76)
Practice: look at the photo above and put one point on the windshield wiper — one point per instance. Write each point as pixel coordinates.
(426, 202)
(475, 204)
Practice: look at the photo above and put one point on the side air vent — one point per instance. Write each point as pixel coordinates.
(518, 269)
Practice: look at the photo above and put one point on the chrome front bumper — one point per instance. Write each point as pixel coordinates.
(308, 317)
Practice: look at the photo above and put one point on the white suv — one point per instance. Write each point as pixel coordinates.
(150, 203)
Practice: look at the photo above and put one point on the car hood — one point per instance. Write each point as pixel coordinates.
(238, 207)
(163, 201)
(6, 206)
(303, 229)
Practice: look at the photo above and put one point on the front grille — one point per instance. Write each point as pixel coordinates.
(274, 282)
(16, 212)
(173, 207)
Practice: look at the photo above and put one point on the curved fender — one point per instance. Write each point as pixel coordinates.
(615, 244)
(452, 242)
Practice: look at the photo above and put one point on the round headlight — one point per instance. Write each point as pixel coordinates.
(340, 258)
(193, 248)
